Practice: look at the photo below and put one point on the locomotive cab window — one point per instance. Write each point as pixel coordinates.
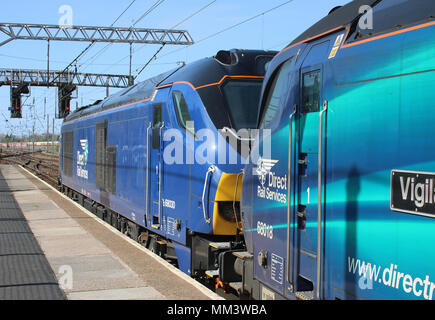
(311, 83)
(242, 98)
(182, 111)
(275, 92)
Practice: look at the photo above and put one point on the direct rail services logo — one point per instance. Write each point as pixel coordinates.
(82, 159)
(272, 185)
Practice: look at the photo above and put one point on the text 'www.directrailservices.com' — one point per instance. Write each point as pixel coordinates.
(390, 277)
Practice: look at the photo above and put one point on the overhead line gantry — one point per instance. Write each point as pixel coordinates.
(42, 78)
(65, 80)
(18, 31)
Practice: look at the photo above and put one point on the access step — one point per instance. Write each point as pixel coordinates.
(212, 273)
(220, 245)
(244, 255)
(305, 295)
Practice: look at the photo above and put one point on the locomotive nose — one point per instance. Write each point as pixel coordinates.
(226, 209)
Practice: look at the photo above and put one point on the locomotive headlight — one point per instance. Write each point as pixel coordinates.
(226, 210)
(229, 210)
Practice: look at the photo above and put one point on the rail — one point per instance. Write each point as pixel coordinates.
(43, 165)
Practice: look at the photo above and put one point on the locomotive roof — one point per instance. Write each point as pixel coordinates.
(387, 15)
(199, 74)
(339, 16)
(211, 70)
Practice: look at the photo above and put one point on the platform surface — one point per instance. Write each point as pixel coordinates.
(52, 249)
(25, 271)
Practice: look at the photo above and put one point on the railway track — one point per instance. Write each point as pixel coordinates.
(45, 166)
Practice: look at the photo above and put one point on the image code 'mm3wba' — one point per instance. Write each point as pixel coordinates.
(413, 192)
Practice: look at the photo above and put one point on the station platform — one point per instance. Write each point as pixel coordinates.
(53, 249)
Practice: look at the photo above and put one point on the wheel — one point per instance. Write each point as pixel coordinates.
(154, 246)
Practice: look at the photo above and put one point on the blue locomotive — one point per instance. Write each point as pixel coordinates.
(162, 160)
(344, 208)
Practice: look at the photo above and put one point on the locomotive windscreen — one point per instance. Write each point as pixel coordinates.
(242, 98)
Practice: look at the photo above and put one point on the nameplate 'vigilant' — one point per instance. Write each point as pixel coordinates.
(413, 192)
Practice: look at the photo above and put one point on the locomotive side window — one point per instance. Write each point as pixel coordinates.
(157, 122)
(68, 139)
(181, 110)
(157, 115)
(100, 154)
(276, 90)
(110, 179)
(311, 92)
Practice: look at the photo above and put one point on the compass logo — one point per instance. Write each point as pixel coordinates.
(82, 159)
(85, 149)
(263, 167)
